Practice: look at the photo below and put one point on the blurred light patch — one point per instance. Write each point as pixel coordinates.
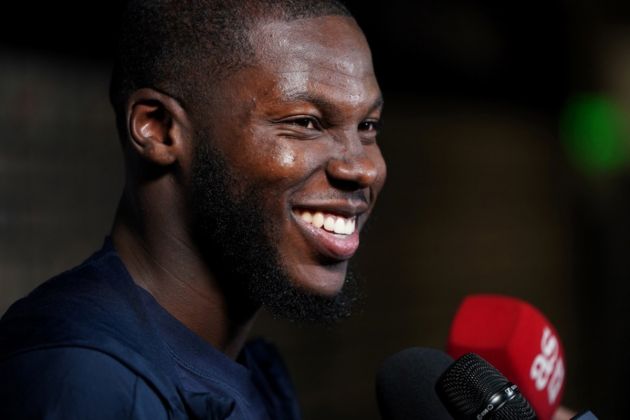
(594, 135)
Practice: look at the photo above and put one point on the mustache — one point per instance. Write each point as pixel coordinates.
(358, 197)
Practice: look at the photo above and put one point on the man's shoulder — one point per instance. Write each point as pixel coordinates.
(74, 307)
(88, 281)
(94, 310)
(74, 382)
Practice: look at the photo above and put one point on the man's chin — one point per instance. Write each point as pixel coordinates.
(325, 281)
(320, 306)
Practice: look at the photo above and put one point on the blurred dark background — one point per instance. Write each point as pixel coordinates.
(507, 143)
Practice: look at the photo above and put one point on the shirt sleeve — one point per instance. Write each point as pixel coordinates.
(74, 383)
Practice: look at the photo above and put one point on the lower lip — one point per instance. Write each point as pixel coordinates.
(340, 247)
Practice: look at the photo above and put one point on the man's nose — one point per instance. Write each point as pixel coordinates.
(352, 170)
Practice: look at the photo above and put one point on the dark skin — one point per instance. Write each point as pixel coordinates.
(300, 126)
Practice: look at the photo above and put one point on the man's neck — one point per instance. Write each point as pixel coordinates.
(175, 274)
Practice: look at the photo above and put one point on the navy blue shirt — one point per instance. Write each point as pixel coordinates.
(90, 344)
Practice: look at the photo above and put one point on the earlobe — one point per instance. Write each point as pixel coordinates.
(153, 120)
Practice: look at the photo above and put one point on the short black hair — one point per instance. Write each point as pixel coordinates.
(168, 44)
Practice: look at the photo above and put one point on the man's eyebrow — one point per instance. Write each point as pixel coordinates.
(378, 103)
(324, 103)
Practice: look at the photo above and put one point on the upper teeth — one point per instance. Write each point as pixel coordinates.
(331, 223)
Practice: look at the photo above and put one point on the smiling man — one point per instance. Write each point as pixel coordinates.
(249, 135)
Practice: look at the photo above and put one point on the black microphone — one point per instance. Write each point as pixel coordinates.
(471, 388)
(405, 385)
(422, 383)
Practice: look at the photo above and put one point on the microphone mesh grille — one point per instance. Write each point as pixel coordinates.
(467, 385)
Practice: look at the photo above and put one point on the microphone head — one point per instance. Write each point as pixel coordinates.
(517, 339)
(405, 385)
(472, 388)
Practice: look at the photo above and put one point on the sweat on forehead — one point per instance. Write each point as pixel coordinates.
(173, 45)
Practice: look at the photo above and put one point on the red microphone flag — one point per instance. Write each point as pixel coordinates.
(516, 339)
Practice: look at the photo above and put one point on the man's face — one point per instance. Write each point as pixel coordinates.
(297, 169)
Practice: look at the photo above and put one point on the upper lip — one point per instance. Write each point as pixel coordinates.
(345, 208)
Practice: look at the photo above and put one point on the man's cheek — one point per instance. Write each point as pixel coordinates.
(287, 163)
(286, 157)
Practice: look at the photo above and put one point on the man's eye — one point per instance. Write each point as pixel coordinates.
(371, 126)
(309, 123)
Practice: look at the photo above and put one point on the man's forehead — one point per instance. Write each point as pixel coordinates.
(327, 54)
(332, 43)
(316, 88)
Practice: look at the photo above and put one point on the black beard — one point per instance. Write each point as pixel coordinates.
(239, 247)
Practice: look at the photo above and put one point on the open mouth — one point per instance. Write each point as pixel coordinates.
(329, 222)
(332, 235)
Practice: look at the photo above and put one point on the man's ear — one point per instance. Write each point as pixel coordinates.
(157, 124)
